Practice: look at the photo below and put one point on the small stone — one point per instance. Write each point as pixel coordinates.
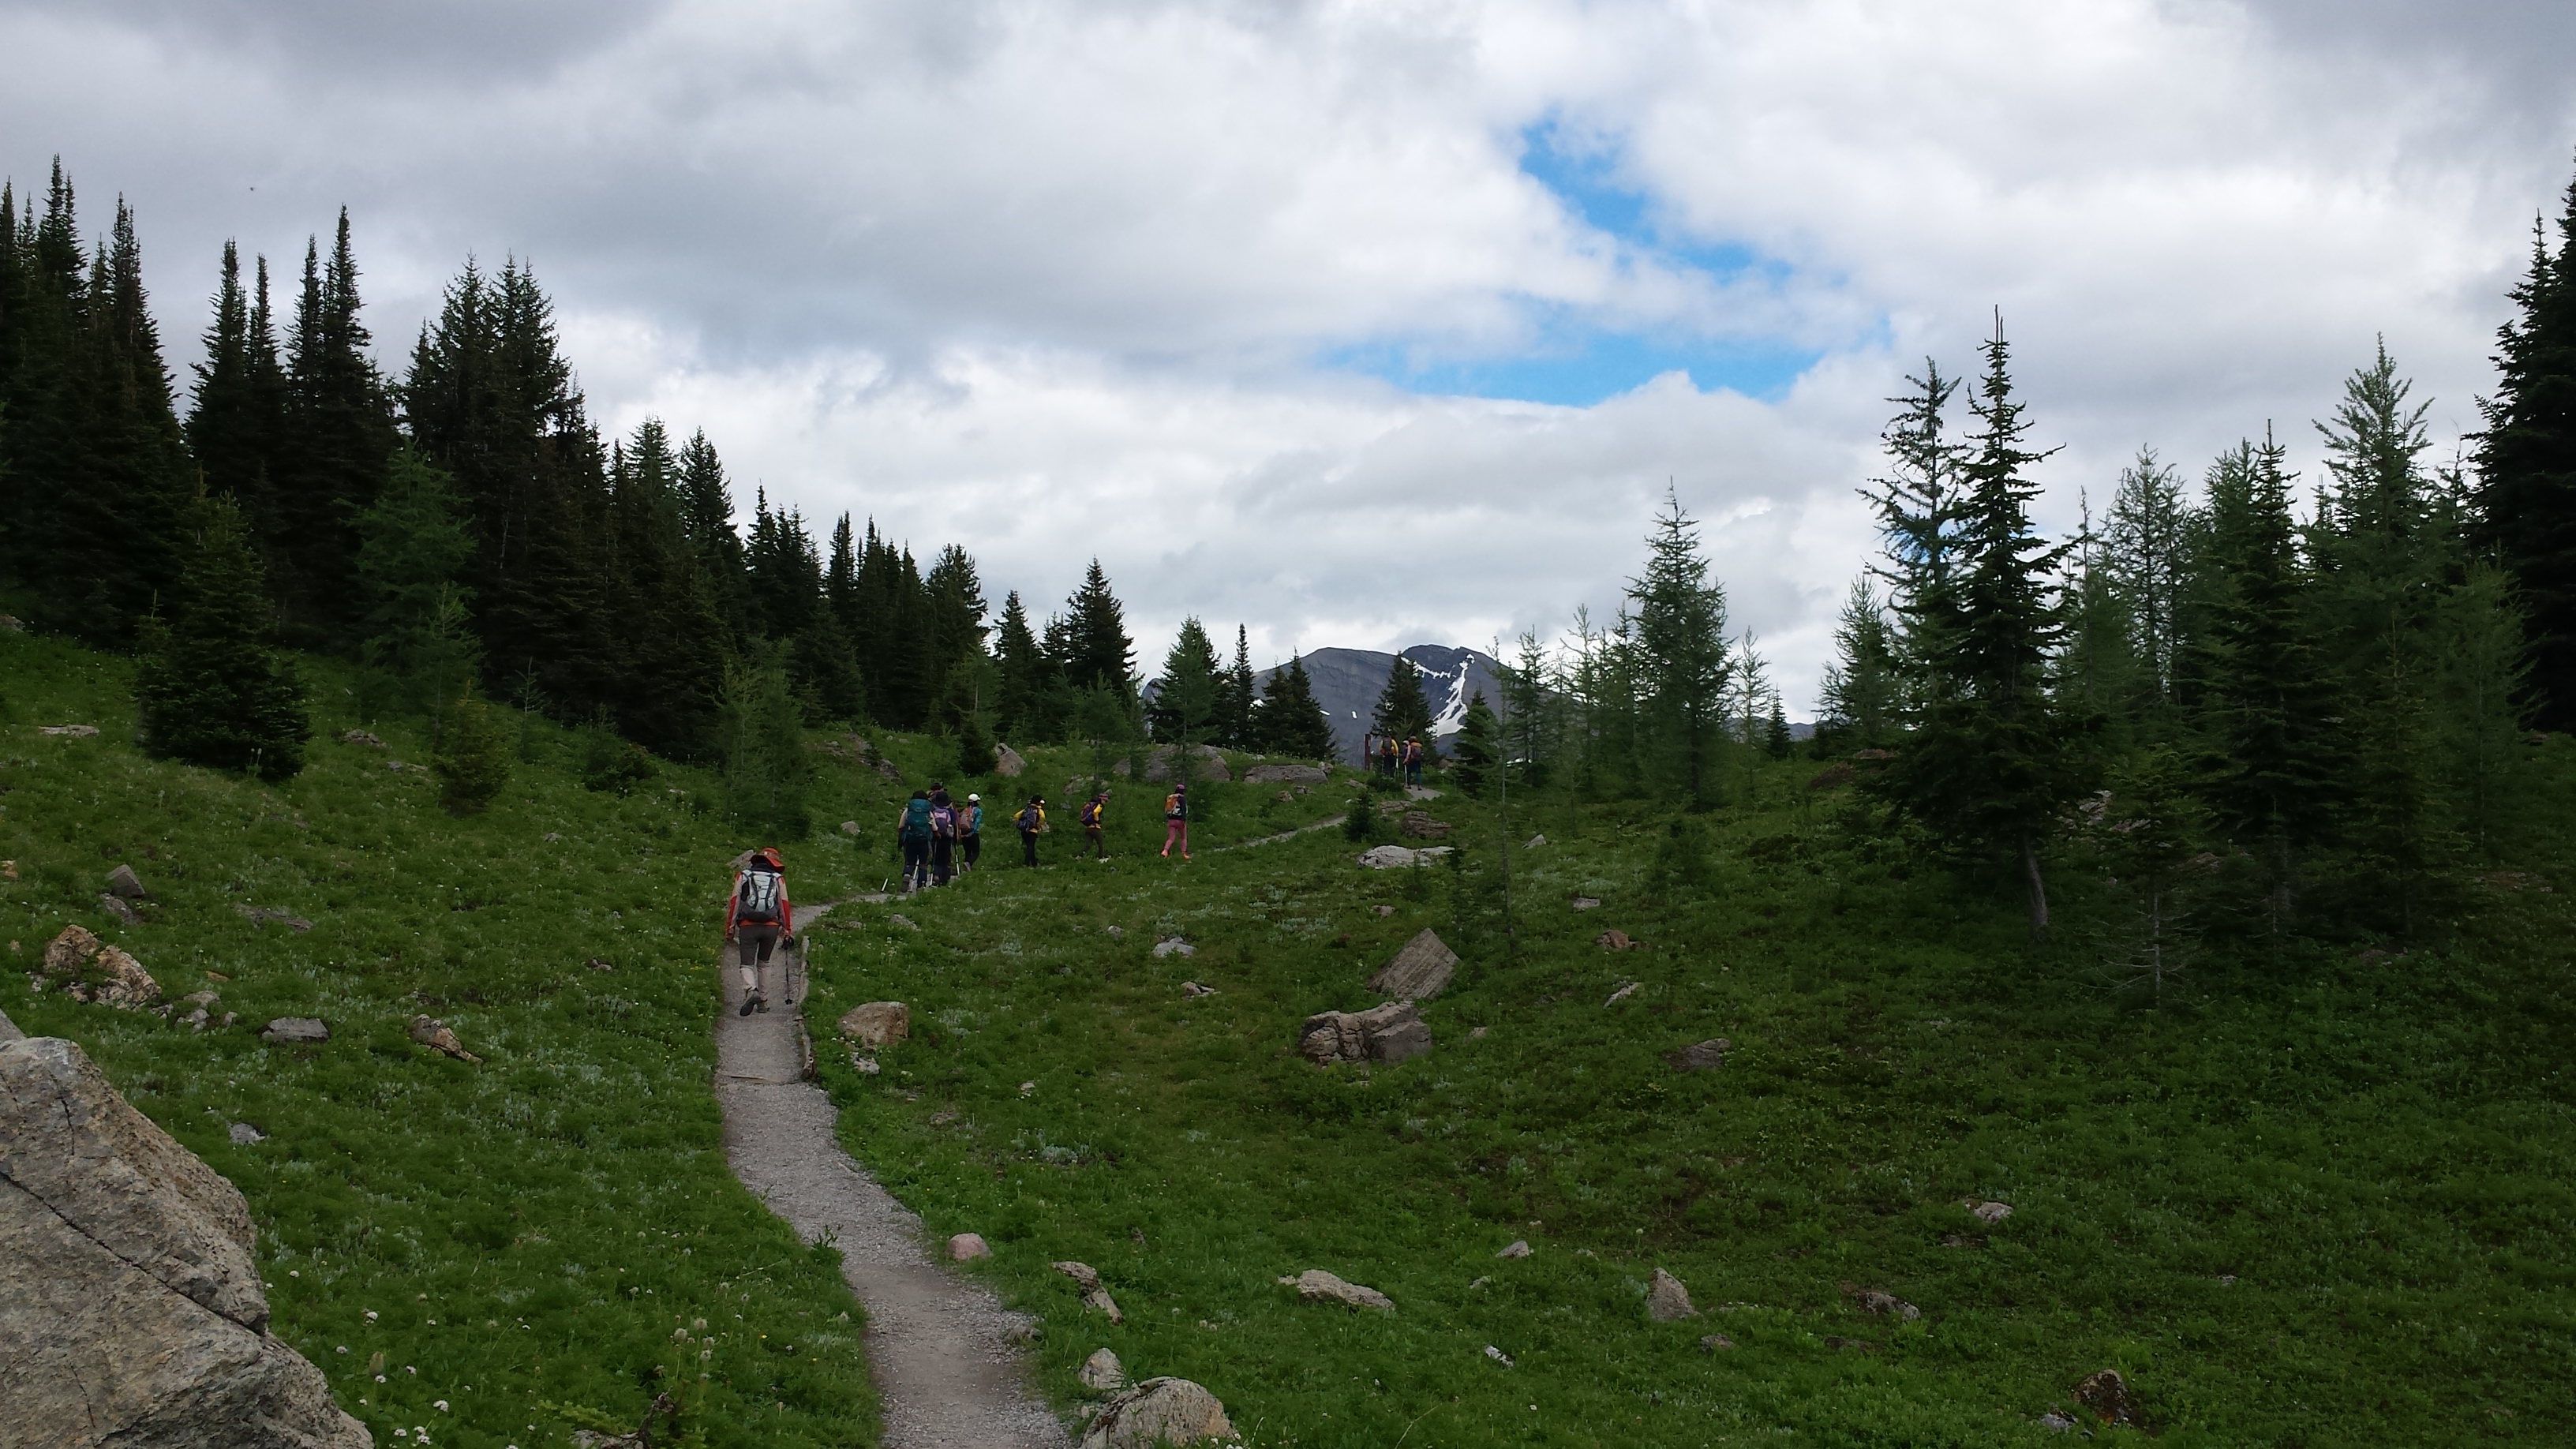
(2107, 1394)
(866, 1065)
(124, 882)
(1099, 1301)
(1872, 1300)
(1477, 1035)
(1587, 903)
(1174, 946)
(1102, 1372)
(1516, 1248)
(1621, 994)
(1317, 1286)
(1498, 1356)
(360, 737)
(965, 1247)
(1715, 1341)
(1192, 988)
(244, 1134)
(1027, 1088)
(849, 827)
(1113, 931)
(1534, 842)
(1420, 971)
(121, 908)
(899, 919)
(877, 1023)
(295, 1031)
(599, 963)
(430, 1032)
(1615, 940)
(1084, 1276)
(73, 731)
(2057, 1421)
(1989, 1213)
(1699, 1056)
(552, 836)
(1386, 910)
(1667, 1299)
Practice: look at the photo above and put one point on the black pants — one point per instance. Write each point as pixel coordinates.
(916, 861)
(970, 846)
(1028, 847)
(943, 859)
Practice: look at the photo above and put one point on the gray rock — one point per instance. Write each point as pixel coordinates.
(1388, 1033)
(263, 915)
(1286, 775)
(1699, 1056)
(1418, 825)
(1622, 994)
(1715, 1341)
(9, 1031)
(1420, 971)
(295, 1030)
(1174, 946)
(2106, 1394)
(1667, 1300)
(90, 970)
(125, 883)
(70, 731)
(1534, 842)
(1094, 1296)
(1587, 903)
(1158, 1411)
(1988, 1213)
(135, 1314)
(1872, 1300)
(1516, 1248)
(1317, 1286)
(1007, 762)
(119, 907)
(877, 1023)
(1397, 857)
(1206, 763)
(965, 1247)
(245, 1135)
(849, 827)
(361, 737)
(1103, 1372)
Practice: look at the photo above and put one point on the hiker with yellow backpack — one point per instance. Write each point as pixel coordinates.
(1176, 821)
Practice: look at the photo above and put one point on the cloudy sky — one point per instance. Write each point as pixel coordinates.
(1362, 323)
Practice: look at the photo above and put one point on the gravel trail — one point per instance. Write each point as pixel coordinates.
(947, 1372)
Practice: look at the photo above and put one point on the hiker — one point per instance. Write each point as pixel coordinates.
(1386, 756)
(970, 832)
(1094, 810)
(943, 835)
(1032, 823)
(1176, 821)
(759, 918)
(1413, 761)
(912, 831)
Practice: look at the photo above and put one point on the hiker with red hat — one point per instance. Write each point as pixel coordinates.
(758, 919)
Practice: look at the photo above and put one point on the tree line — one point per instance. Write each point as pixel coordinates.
(464, 528)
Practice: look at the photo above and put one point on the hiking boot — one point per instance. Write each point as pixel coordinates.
(751, 1004)
(760, 1003)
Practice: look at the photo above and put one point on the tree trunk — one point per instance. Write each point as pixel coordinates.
(2038, 890)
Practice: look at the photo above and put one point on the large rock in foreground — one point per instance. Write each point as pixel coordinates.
(1419, 971)
(1388, 1033)
(1159, 1411)
(130, 1309)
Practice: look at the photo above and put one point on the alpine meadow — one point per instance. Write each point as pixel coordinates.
(2132, 1002)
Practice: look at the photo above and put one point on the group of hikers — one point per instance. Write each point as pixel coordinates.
(1393, 758)
(941, 839)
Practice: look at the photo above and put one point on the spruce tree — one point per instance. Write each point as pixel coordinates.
(1187, 695)
(1290, 722)
(1023, 698)
(1682, 655)
(338, 440)
(670, 644)
(1101, 654)
(1862, 686)
(417, 643)
(210, 688)
(2147, 551)
(1401, 712)
(2526, 462)
(1475, 752)
(1234, 701)
(1918, 505)
(472, 760)
(766, 770)
(952, 618)
(236, 418)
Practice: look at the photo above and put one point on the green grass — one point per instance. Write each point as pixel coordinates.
(2377, 1151)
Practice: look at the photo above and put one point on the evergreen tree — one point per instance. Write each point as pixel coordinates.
(1777, 741)
(472, 760)
(1475, 753)
(1682, 657)
(417, 644)
(1862, 686)
(707, 507)
(1023, 700)
(1918, 505)
(1401, 712)
(1290, 722)
(1530, 711)
(1096, 636)
(2103, 686)
(210, 688)
(237, 417)
(1186, 697)
(2526, 459)
(339, 437)
(1234, 701)
(766, 771)
(2148, 558)
(952, 618)
(670, 644)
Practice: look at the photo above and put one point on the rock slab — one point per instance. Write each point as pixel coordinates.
(1667, 1300)
(1286, 775)
(1102, 1372)
(430, 1032)
(91, 970)
(1159, 1411)
(1387, 1034)
(295, 1031)
(1317, 1286)
(1699, 1056)
(135, 1315)
(1420, 971)
(877, 1023)
(123, 882)
(1007, 762)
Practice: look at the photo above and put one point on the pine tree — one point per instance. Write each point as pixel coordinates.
(670, 643)
(1475, 753)
(1918, 506)
(1234, 701)
(1290, 722)
(952, 618)
(413, 554)
(2148, 556)
(707, 506)
(1096, 634)
(1024, 699)
(472, 760)
(1777, 741)
(210, 689)
(1862, 686)
(1682, 656)
(2526, 460)
(338, 440)
(1401, 712)
(766, 771)
(236, 419)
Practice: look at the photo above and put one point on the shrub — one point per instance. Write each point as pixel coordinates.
(473, 759)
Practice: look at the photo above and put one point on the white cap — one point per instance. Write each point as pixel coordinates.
(975, 799)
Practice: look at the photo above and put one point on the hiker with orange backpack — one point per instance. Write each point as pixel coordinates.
(1094, 813)
(759, 918)
(1176, 821)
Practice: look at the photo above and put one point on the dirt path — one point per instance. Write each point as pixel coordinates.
(1283, 835)
(946, 1370)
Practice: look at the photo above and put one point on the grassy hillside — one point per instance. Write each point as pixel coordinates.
(2322, 1202)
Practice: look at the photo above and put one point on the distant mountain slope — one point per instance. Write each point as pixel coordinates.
(1348, 682)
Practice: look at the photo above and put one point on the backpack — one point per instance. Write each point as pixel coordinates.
(1176, 806)
(943, 821)
(1090, 814)
(916, 818)
(1028, 817)
(755, 896)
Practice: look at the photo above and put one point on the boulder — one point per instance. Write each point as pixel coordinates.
(1286, 775)
(1873, 1300)
(849, 827)
(1699, 1056)
(1317, 1286)
(968, 1246)
(1989, 1213)
(1667, 1300)
(1516, 1248)
(1102, 1372)
(1397, 857)
(123, 882)
(1206, 763)
(1418, 825)
(1534, 842)
(1174, 946)
(135, 1313)
(119, 907)
(9, 1031)
(1420, 971)
(245, 1135)
(430, 1032)
(878, 1023)
(1007, 762)
(1388, 1033)
(2106, 1394)
(295, 1031)
(1158, 1411)
(1616, 940)
(90, 970)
